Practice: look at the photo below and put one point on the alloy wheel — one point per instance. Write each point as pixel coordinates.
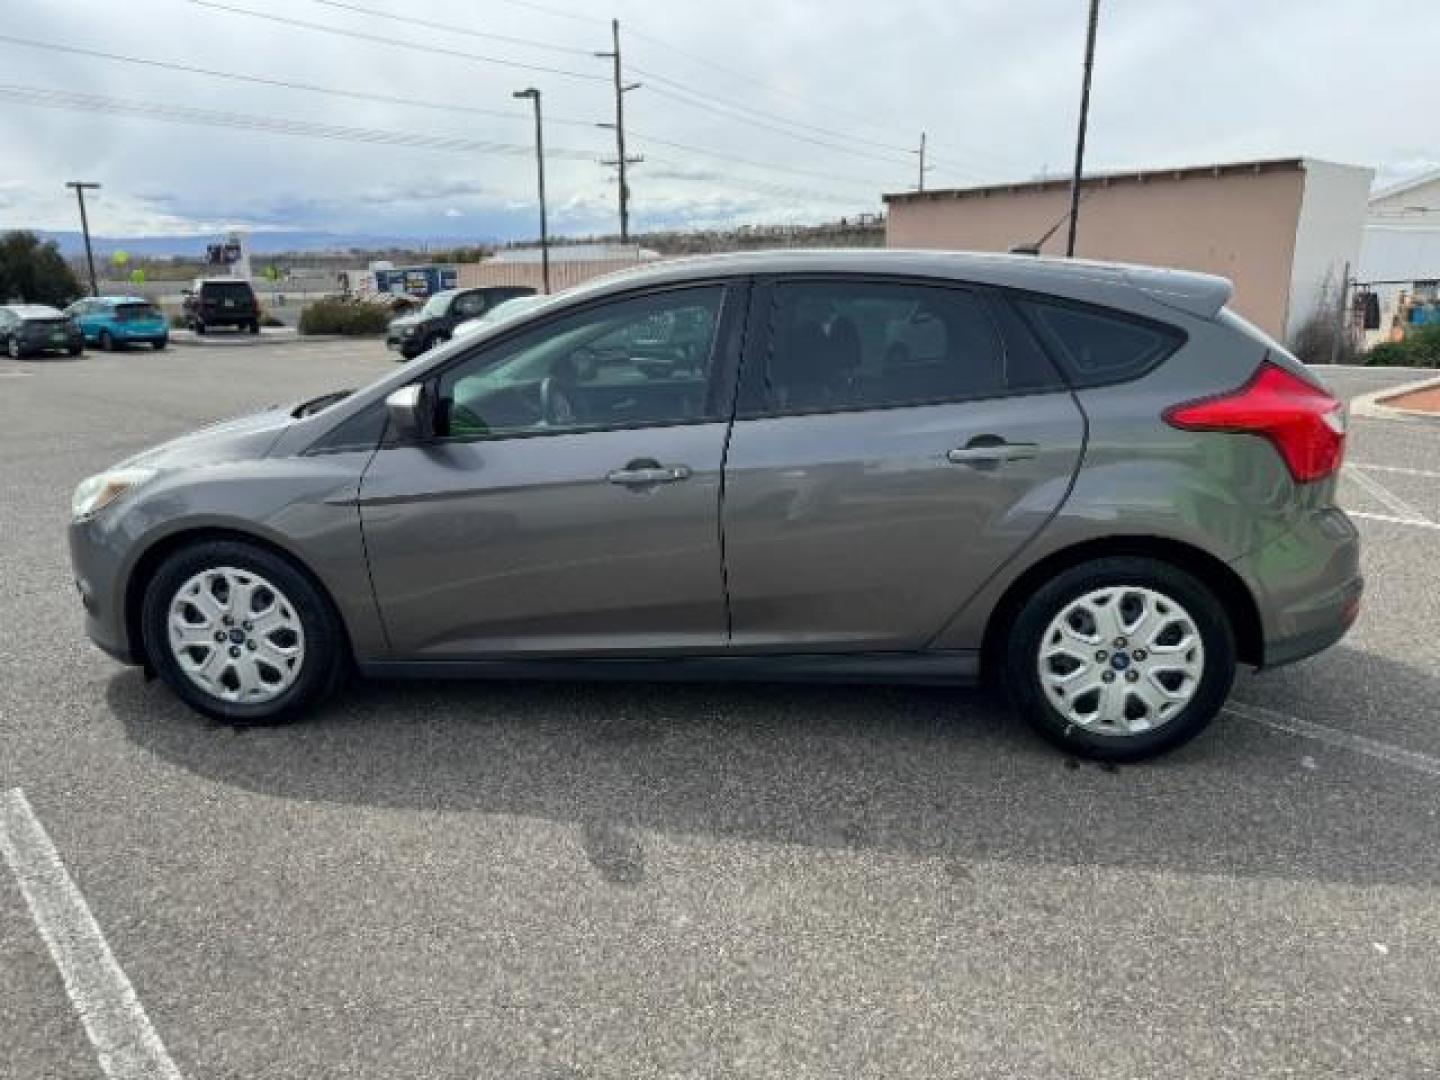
(236, 636)
(1121, 660)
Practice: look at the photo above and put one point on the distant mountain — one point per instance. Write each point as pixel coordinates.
(73, 243)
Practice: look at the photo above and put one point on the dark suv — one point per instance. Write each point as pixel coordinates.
(212, 302)
(414, 334)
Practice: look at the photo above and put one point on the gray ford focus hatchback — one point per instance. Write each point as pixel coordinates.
(1094, 483)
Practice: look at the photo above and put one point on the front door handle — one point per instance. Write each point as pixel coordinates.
(647, 472)
(982, 454)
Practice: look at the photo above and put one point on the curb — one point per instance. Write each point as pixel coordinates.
(1373, 405)
(273, 336)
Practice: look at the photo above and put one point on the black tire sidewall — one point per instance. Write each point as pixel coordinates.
(325, 647)
(1034, 617)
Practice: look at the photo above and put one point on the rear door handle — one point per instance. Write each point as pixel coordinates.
(992, 453)
(643, 474)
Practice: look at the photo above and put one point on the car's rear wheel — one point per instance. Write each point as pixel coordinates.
(1121, 658)
(199, 326)
(254, 326)
(241, 634)
(106, 341)
(159, 343)
(75, 350)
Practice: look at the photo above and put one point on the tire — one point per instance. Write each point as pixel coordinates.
(107, 343)
(75, 350)
(1151, 696)
(199, 327)
(300, 614)
(159, 343)
(254, 326)
(13, 350)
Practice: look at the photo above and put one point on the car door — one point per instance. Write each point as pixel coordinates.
(569, 503)
(891, 450)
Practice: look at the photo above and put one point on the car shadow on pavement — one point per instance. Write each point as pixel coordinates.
(925, 772)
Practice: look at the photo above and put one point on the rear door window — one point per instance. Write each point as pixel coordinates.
(856, 344)
(1098, 346)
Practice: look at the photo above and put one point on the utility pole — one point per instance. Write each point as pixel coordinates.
(534, 95)
(923, 167)
(80, 187)
(1080, 132)
(621, 160)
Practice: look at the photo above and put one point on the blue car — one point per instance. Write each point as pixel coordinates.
(113, 322)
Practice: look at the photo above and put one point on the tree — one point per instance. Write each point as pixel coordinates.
(34, 272)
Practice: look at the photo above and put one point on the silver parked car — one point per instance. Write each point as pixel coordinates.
(1093, 482)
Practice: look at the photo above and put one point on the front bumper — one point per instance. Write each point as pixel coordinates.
(95, 561)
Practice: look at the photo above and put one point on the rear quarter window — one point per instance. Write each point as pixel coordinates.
(1098, 346)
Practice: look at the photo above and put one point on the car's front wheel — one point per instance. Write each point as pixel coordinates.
(241, 634)
(1121, 658)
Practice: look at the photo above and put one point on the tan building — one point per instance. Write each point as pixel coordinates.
(1278, 229)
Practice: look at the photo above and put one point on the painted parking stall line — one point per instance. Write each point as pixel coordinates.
(1345, 740)
(115, 1022)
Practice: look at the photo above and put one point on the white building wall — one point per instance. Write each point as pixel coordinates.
(1402, 244)
(1328, 235)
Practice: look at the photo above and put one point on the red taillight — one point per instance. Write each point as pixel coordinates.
(1305, 423)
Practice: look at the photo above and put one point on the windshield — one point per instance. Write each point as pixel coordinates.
(436, 305)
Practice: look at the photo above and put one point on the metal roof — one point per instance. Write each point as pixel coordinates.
(1106, 179)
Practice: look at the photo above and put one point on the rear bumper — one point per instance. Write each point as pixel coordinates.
(1307, 585)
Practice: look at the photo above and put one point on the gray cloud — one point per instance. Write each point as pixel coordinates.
(993, 84)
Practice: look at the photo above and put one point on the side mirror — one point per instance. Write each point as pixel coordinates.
(412, 413)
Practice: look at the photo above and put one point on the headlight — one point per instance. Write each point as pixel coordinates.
(97, 492)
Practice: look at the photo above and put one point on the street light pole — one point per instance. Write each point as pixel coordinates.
(1080, 132)
(80, 187)
(534, 95)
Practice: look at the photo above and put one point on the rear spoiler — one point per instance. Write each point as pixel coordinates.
(1202, 295)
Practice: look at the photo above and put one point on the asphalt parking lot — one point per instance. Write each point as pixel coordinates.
(565, 881)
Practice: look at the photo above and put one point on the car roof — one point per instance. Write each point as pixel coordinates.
(1115, 284)
(35, 310)
(120, 299)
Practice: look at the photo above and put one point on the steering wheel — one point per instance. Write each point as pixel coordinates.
(556, 408)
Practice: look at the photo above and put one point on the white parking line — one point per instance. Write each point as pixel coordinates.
(1385, 495)
(1359, 744)
(114, 1019)
(1400, 469)
(1388, 519)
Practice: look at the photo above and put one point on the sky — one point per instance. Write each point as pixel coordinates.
(783, 110)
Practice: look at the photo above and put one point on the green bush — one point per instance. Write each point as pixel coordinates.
(1389, 354)
(340, 316)
(177, 321)
(1419, 349)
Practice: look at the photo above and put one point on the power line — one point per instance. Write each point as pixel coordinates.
(450, 28)
(736, 159)
(45, 97)
(66, 99)
(284, 84)
(693, 98)
(397, 44)
(438, 106)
